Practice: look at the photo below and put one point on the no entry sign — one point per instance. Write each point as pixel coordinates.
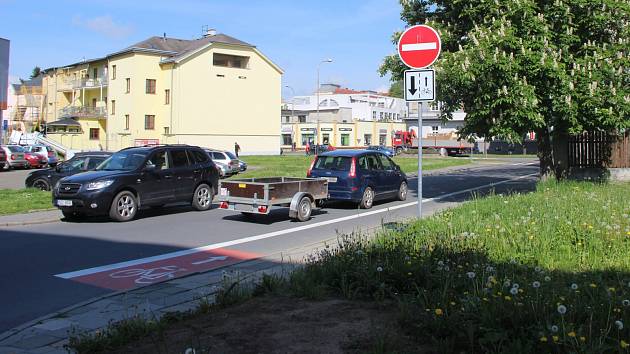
(419, 46)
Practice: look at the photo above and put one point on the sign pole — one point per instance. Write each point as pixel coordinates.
(420, 160)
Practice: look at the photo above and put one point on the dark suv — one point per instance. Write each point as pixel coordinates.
(137, 177)
(80, 162)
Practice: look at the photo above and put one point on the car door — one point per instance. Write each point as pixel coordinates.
(375, 172)
(391, 175)
(183, 174)
(68, 168)
(156, 184)
(93, 162)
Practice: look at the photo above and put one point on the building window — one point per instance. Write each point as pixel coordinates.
(345, 139)
(150, 86)
(435, 129)
(367, 138)
(382, 139)
(95, 71)
(325, 138)
(307, 138)
(126, 122)
(374, 115)
(381, 116)
(113, 72)
(113, 107)
(286, 139)
(167, 130)
(128, 85)
(167, 96)
(94, 132)
(149, 122)
(302, 119)
(287, 119)
(230, 61)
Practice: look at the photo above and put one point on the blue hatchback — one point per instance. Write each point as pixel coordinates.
(360, 176)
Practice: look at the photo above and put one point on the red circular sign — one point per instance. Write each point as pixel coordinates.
(419, 46)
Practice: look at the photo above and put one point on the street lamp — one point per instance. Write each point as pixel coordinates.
(292, 101)
(329, 60)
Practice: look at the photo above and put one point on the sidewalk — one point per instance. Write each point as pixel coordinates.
(32, 218)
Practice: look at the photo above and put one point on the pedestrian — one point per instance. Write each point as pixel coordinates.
(308, 148)
(237, 148)
(293, 146)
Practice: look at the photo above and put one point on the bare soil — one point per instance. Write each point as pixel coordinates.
(282, 324)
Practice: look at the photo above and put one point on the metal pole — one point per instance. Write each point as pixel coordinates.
(420, 160)
(317, 116)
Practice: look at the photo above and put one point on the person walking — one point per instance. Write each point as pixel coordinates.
(308, 148)
(237, 148)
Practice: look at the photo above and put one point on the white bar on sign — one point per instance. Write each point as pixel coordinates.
(419, 46)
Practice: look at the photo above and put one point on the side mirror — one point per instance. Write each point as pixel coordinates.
(149, 168)
(58, 168)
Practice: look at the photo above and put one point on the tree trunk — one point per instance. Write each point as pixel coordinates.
(545, 154)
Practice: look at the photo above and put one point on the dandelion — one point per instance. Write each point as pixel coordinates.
(574, 286)
(514, 291)
(508, 298)
(537, 269)
(582, 339)
(626, 303)
(536, 284)
(506, 283)
(547, 278)
(543, 339)
(379, 269)
(440, 263)
(452, 303)
(624, 344)
(554, 329)
(489, 269)
(555, 338)
(571, 334)
(439, 312)
(619, 325)
(593, 285)
(562, 309)
(470, 275)
(515, 285)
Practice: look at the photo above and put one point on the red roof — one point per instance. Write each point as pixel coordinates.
(347, 91)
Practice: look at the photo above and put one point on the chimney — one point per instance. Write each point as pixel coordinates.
(210, 32)
(164, 37)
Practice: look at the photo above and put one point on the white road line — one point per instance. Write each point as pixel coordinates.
(419, 46)
(134, 262)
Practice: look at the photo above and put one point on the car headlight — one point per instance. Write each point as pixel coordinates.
(92, 186)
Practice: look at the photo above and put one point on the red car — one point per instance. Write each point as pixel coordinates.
(35, 160)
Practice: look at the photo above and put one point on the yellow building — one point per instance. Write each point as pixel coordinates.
(211, 92)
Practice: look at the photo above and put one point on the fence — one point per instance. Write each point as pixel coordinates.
(599, 149)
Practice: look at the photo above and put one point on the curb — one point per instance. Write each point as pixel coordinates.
(26, 223)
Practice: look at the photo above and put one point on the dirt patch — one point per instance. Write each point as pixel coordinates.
(279, 324)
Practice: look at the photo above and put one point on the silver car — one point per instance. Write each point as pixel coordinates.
(15, 156)
(226, 159)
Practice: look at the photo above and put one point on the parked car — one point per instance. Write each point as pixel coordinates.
(242, 165)
(224, 170)
(137, 177)
(384, 149)
(34, 160)
(45, 151)
(319, 149)
(225, 158)
(15, 156)
(80, 162)
(360, 176)
(3, 159)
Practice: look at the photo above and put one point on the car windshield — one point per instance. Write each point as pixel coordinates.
(336, 163)
(14, 148)
(230, 155)
(126, 160)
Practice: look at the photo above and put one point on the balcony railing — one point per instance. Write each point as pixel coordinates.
(84, 112)
(67, 85)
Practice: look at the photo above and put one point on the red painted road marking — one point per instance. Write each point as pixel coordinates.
(151, 272)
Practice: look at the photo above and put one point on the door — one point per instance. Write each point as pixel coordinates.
(93, 162)
(375, 173)
(68, 168)
(183, 175)
(391, 175)
(155, 184)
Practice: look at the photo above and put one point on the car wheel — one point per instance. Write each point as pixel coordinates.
(368, 198)
(402, 191)
(124, 207)
(41, 184)
(304, 209)
(202, 199)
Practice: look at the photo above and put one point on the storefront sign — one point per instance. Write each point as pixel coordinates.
(345, 129)
(327, 129)
(144, 142)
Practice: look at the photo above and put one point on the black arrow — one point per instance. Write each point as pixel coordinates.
(413, 90)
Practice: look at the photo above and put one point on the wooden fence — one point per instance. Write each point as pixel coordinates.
(599, 149)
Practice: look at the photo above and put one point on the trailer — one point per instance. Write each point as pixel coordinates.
(447, 143)
(252, 196)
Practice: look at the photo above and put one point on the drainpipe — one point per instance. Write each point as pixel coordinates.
(172, 95)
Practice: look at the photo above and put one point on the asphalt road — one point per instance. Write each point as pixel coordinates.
(31, 256)
(13, 179)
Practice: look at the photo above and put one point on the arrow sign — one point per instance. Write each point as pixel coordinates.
(211, 259)
(420, 85)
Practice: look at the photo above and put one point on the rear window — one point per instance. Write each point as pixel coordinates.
(16, 149)
(231, 155)
(336, 163)
(218, 156)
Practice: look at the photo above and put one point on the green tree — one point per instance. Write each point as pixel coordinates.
(555, 67)
(396, 89)
(36, 72)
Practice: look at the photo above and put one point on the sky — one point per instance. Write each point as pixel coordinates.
(296, 35)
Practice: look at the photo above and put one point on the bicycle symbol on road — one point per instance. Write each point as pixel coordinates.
(148, 276)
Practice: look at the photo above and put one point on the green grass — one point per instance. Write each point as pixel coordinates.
(292, 165)
(23, 200)
(542, 272)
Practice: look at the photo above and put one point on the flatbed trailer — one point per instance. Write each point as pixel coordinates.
(258, 195)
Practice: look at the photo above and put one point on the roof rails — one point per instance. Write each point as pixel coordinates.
(159, 145)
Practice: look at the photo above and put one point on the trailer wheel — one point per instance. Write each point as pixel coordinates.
(304, 209)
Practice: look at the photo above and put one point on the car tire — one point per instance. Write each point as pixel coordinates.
(402, 191)
(41, 184)
(202, 198)
(124, 207)
(304, 209)
(368, 198)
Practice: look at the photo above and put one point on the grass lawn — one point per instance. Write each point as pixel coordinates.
(292, 165)
(23, 200)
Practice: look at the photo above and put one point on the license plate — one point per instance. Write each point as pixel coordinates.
(65, 203)
(332, 179)
(242, 185)
(223, 191)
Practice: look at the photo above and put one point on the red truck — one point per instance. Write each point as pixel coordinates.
(447, 143)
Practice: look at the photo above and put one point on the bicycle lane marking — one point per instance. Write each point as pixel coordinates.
(136, 275)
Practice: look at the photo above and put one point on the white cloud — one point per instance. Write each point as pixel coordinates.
(103, 25)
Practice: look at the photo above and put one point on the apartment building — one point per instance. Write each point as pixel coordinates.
(212, 91)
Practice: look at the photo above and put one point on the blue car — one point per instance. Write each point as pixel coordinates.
(385, 150)
(360, 176)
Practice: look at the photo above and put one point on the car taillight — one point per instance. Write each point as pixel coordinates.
(262, 209)
(308, 172)
(353, 168)
(223, 205)
(13, 157)
(51, 154)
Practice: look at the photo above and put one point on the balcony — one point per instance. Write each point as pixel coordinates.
(84, 112)
(90, 83)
